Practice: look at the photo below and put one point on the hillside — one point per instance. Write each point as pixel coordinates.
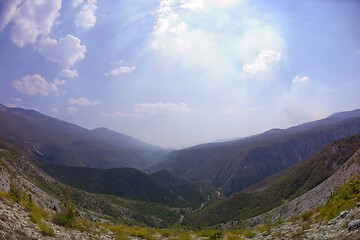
(287, 185)
(18, 171)
(162, 187)
(25, 213)
(68, 144)
(235, 165)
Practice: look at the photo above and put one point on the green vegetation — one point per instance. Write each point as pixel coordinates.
(45, 229)
(249, 233)
(163, 187)
(37, 214)
(342, 198)
(67, 218)
(306, 216)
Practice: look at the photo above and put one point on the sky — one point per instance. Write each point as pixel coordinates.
(176, 73)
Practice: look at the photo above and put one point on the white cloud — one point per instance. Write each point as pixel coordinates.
(121, 114)
(16, 99)
(179, 29)
(31, 18)
(120, 70)
(65, 52)
(55, 110)
(192, 4)
(86, 17)
(59, 82)
(262, 61)
(358, 52)
(155, 108)
(72, 110)
(75, 3)
(166, 15)
(297, 79)
(35, 84)
(205, 36)
(83, 102)
(69, 73)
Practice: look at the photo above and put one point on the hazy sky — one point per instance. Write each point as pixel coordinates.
(181, 72)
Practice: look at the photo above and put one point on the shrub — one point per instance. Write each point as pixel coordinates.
(17, 194)
(67, 218)
(45, 229)
(249, 233)
(216, 235)
(35, 216)
(306, 216)
(3, 194)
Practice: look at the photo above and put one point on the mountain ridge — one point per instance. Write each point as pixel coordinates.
(232, 166)
(68, 144)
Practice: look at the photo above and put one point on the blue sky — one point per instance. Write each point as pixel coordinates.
(176, 73)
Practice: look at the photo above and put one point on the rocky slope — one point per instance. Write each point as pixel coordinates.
(346, 227)
(15, 223)
(313, 198)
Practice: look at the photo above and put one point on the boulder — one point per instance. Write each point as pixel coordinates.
(354, 224)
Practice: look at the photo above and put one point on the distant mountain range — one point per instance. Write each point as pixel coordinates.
(285, 185)
(234, 165)
(68, 144)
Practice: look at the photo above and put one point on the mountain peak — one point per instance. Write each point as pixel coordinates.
(2, 108)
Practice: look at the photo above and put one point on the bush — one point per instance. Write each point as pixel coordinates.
(67, 218)
(306, 216)
(45, 229)
(216, 235)
(17, 194)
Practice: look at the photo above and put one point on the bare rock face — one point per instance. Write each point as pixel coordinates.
(341, 215)
(354, 224)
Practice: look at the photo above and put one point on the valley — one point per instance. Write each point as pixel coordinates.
(165, 202)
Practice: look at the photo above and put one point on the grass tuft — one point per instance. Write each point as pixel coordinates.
(344, 197)
(45, 229)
